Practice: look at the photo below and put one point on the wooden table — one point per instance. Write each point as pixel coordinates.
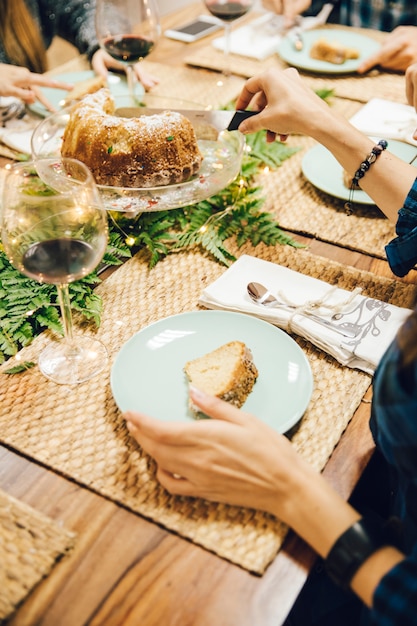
(126, 570)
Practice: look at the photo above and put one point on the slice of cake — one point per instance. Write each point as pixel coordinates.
(332, 52)
(227, 372)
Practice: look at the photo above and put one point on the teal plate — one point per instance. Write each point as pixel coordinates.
(147, 374)
(117, 85)
(302, 60)
(321, 168)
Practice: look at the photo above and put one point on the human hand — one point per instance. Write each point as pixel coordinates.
(232, 458)
(19, 82)
(288, 8)
(285, 103)
(397, 52)
(101, 62)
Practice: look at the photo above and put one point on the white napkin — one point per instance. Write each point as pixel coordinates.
(255, 40)
(383, 118)
(17, 133)
(376, 322)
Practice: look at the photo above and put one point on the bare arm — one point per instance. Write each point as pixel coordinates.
(288, 106)
(237, 459)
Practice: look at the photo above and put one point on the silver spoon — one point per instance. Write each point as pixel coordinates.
(261, 295)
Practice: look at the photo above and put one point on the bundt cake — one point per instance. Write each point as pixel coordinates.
(145, 151)
(227, 372)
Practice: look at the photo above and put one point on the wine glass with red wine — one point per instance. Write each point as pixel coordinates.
(128, 30)
(54, 230)
(228, 12)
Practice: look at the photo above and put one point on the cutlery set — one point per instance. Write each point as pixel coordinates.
(259, 294)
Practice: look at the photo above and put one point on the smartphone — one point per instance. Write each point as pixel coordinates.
(194, 30)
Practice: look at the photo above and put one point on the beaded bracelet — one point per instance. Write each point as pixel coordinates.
(361, 171)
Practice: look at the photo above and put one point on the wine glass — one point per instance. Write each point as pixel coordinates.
(227, 12)
(128, 30)
(54, 230)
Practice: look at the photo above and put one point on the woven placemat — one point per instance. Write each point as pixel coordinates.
(301, 208)
(79, 431)
(30, 544)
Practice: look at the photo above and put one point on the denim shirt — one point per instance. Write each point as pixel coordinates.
(402, 251)
(394, 428)
(73, 20)
(384, 15)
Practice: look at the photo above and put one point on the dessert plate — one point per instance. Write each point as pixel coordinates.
(147, 374)
(117, 84)
(322, 170)
(302, 60)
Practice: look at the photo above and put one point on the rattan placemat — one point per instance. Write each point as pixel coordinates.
(302, 208)
(79, 431)
(375, 84)
(30, 544)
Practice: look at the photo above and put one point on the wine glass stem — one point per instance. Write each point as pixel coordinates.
(65, 304)
(227, 42)
(131, 82)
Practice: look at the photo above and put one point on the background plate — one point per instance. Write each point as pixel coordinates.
(117, 85)
(302, 59)
(322, 170)
(147, 374)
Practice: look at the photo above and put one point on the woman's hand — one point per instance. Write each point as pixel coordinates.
(232, 458)
(288, 8)
(397, 52)
(20, 83)
(102, 62)
(286, 105)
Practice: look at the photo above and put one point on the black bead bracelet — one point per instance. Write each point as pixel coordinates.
(361, 171)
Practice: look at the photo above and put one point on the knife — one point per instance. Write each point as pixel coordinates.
(220, 120)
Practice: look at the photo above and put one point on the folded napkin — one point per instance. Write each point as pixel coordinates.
(258, 40)
(16, 133)
(375, 322)
(383, 118)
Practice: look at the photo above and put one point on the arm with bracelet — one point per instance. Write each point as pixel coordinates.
(237, 459)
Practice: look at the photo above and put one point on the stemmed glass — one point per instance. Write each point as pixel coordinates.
(54, 230)
(128, 30)
(227, 12)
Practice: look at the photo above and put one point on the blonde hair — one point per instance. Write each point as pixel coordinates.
(22, 40)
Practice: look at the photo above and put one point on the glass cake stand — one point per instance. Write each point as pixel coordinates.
(221, 163)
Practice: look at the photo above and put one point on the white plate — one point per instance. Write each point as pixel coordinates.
(321, 168)
(117, 85)
(301, 59)
(147, 374)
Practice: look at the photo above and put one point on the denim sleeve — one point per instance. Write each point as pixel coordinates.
(395, 598)
(402, 251)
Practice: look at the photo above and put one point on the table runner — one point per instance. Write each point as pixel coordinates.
(79, 432)
(30, 544)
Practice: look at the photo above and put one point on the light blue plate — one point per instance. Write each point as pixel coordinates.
(321, 168)
(302, 60)
(147, 374)
(117, 85)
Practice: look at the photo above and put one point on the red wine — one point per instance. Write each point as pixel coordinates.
(228, 11)
(58, 261)
(128, 48)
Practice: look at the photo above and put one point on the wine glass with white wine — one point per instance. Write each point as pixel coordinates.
(54, 230)
(128, 30)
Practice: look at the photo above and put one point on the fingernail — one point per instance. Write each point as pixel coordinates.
(197, 393)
